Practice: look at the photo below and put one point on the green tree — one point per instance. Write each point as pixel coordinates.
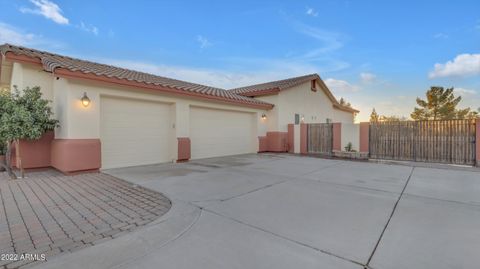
(23, 115)
(392, 118)
(343, 102)
(440, 104)
(374, 117)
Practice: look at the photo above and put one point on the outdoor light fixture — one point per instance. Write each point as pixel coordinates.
(85, 100)
(264, 116)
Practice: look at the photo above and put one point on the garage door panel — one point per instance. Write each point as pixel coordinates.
(134, 132)
(220, 132)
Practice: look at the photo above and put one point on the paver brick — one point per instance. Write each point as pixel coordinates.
(50, 213)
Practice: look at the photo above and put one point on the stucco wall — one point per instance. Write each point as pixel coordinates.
(5, 73)
(271, 122)
(314, 106)
(26, 75)
(350, 133)
(87, 119)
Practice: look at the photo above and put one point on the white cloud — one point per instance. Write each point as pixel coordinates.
(311, 12)
(264, 71)
(462, 65)
(89, 28)
(48, 9)
(203, 41)
(330, 40)
(10, 34)
(340, 86)
(367, 78)
(440, 36)
(464, 92)
(17, 36)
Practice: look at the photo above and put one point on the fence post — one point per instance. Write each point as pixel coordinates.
(291, 138)
(303, 138)
(337, 136)
(364, 136)
(477, 141)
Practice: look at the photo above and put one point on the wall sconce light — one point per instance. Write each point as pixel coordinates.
(264, 117)
(85, 100)
(303, 118)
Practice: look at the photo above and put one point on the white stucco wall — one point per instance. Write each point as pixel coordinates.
(87, 119)
(5, 73)
(315, 107)
(271, 122)
(350, 133)
(26, 75)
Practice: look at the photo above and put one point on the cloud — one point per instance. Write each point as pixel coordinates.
(464, 92)
(88, 28)
(256, 71)
(16, 36)
(330, 41)
(48, 9)
(463, 65)
(367, 78)
(10, 34)
(311, 12)
(340, 86)
(203, 41)
(440, 36)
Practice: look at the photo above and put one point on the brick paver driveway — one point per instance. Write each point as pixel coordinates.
(50, 214)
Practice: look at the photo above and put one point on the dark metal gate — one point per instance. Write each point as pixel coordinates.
(442, 141)
(320, 138)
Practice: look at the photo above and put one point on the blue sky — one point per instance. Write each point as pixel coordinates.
(380, 54)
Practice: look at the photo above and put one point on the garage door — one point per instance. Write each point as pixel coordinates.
(134, 132)
(220, 132)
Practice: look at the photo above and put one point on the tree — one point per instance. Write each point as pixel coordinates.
(392, 118)
(374, 116)
(441, 104)
(344, 103)
(23, 115)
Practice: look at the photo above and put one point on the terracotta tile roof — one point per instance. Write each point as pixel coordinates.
(274, 85)
(51, 62)
(278, 85)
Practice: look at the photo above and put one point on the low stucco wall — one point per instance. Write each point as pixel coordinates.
(350, 133)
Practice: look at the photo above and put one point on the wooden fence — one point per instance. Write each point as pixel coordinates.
(443, 141)
(320, 138)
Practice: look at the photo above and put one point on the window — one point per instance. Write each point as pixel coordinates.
(297, 119)
(314, 86)
(328, 120)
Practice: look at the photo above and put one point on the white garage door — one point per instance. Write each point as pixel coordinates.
(134, 132)
(220, 132)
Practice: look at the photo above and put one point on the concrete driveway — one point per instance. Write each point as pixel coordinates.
(283, 211)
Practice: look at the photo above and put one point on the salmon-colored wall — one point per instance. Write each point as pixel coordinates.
(34, 153)
(364, 136)
(337, 136)
(303, 138)
(184, 151)
(478, 141)
(262, 144)
(75, 155)
(277, 141)
(291, 137)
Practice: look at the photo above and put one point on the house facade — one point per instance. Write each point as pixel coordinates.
(133, 118)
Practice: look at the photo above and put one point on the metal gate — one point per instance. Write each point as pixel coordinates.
(443, 141)
(319, 138)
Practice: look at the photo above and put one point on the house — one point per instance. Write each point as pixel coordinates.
(133, 118)
(304, 99)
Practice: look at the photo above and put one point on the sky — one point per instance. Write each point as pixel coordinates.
(375, 54)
